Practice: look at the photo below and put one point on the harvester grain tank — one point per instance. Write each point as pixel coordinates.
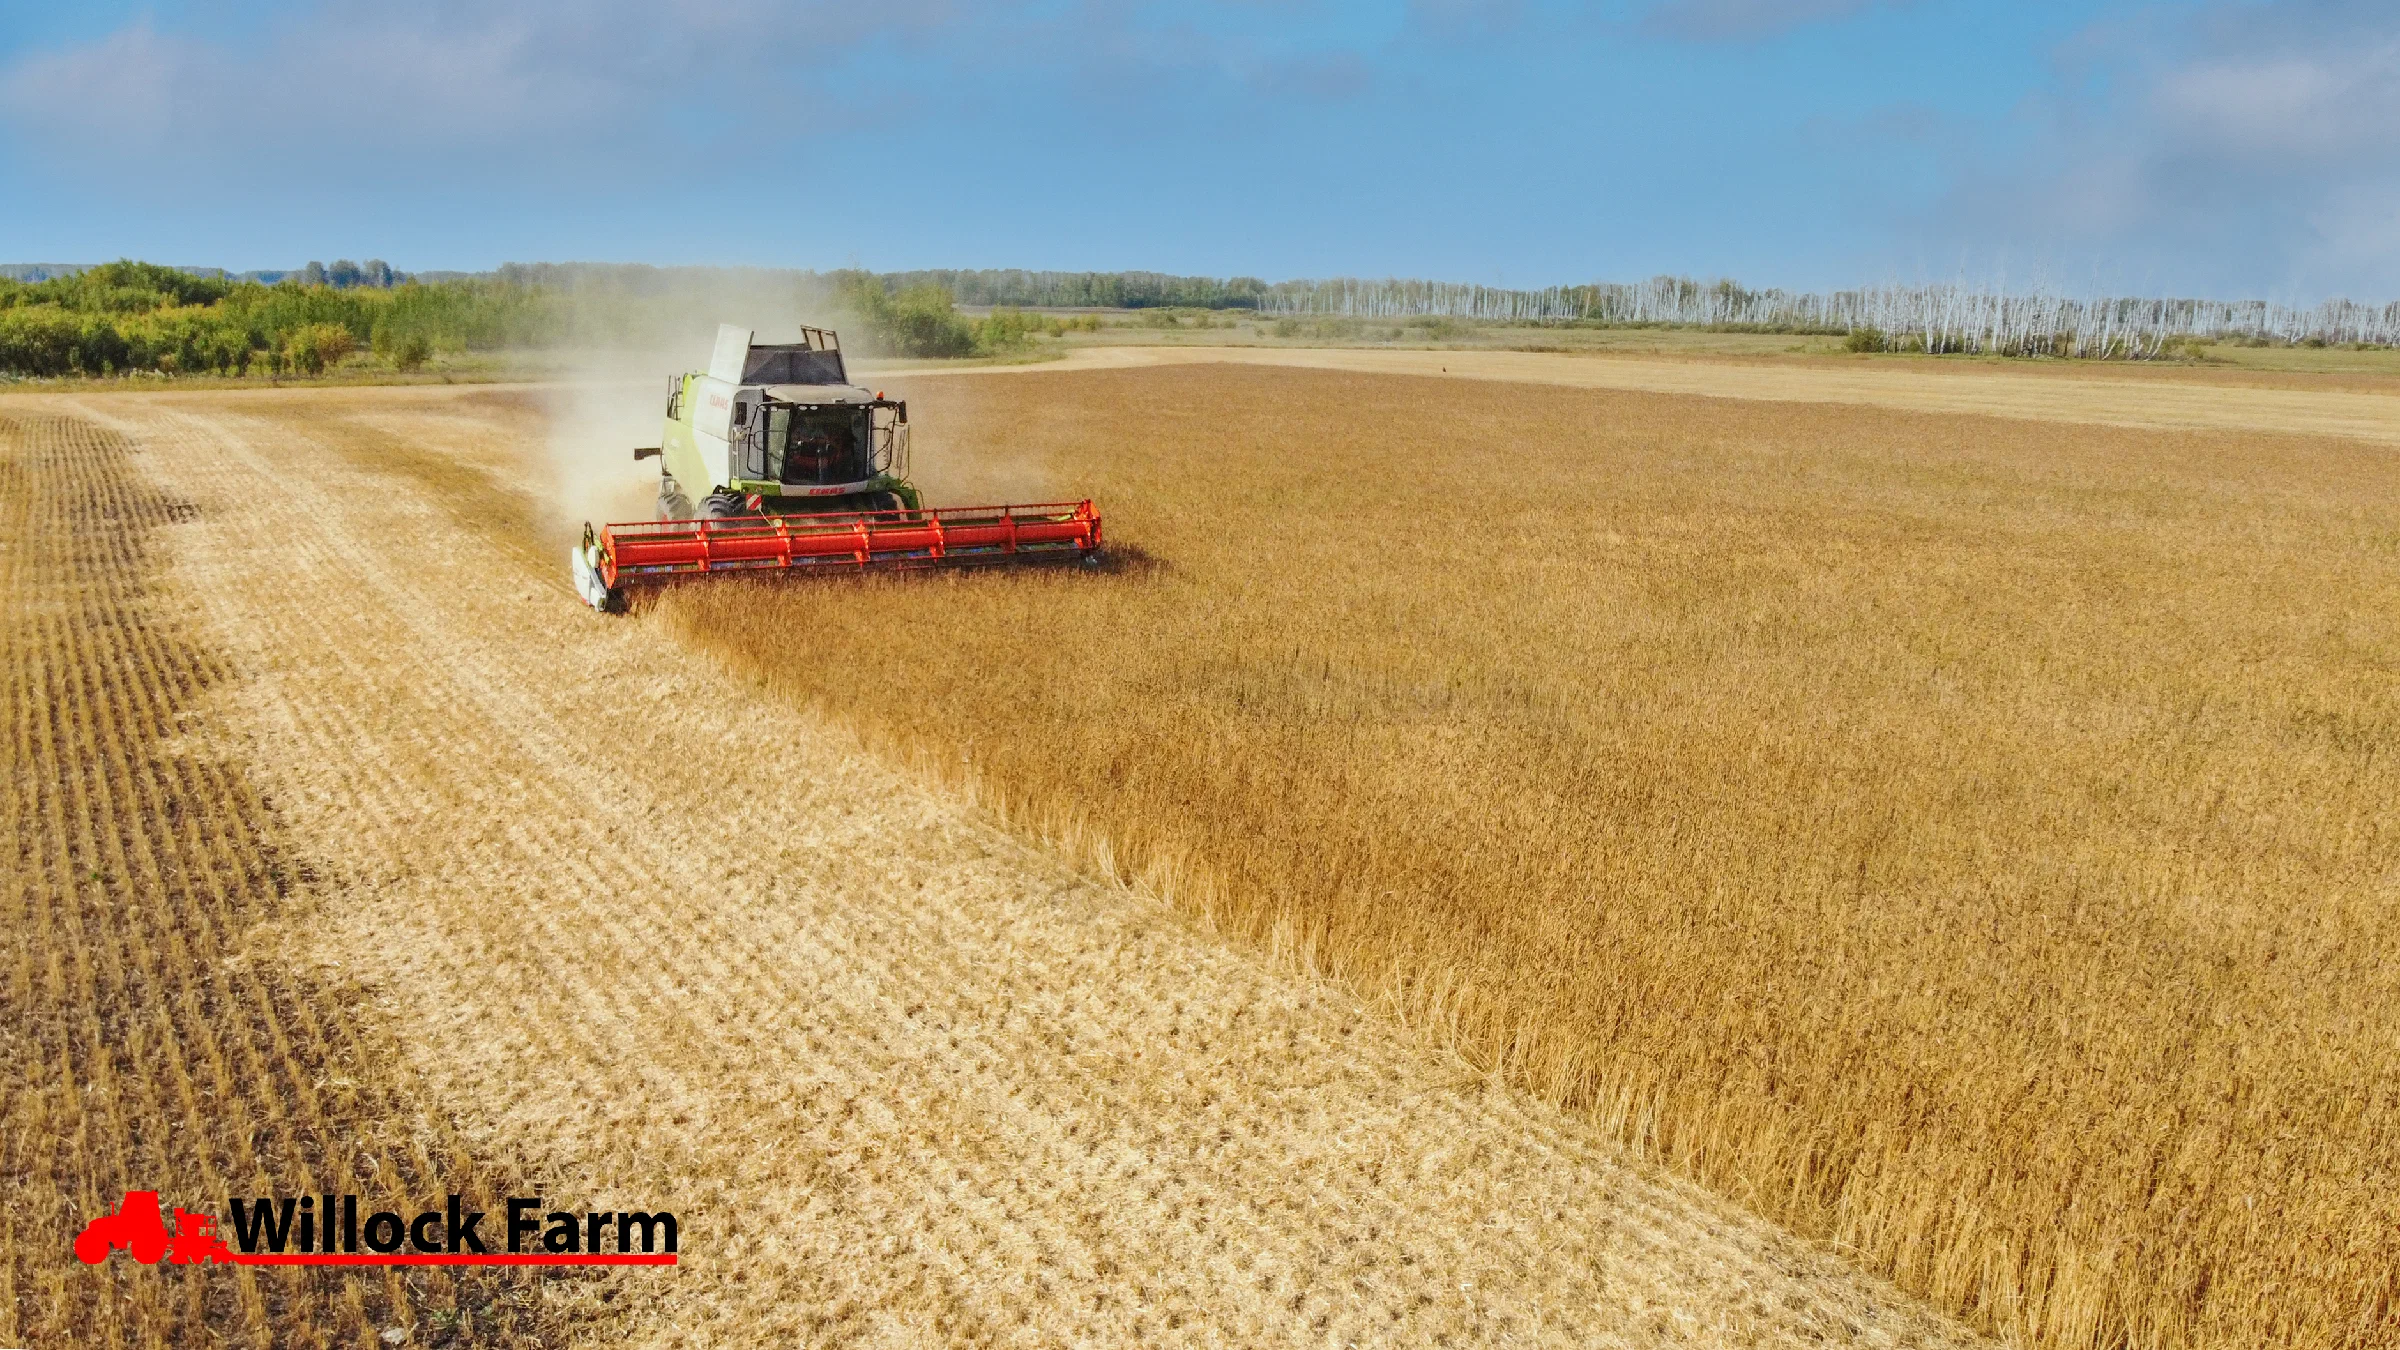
(772, 462)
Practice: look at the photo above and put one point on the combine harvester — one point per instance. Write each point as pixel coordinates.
(798, 470)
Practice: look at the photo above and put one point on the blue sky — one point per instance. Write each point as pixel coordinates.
(2212, 147)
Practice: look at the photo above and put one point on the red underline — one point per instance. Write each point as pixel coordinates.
(447, 1259)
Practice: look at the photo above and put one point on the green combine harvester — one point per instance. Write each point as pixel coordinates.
(773, 462)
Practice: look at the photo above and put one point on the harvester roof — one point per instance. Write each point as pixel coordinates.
(818, 393)
(814, 360)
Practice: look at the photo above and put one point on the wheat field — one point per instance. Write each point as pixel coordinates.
(1963, 840)
(1968, 841)
(2350, 404)
(605, 919)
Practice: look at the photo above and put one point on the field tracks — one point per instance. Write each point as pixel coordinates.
(148, 1046)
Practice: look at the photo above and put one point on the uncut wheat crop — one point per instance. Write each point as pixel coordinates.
(1968, 841)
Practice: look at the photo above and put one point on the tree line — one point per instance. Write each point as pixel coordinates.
(133, 316)
(130, 316)
(1951, 318)
(1085, 290)
(127, 316)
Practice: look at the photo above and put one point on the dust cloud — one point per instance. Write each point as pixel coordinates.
(609, 395)
(960, 456)
(600, 410)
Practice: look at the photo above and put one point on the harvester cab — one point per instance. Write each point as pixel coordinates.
(773, 461)
(773, 430)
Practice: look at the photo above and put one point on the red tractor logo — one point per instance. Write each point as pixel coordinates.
(135, 1226)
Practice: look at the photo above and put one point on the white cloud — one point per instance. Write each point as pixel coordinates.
(2246, 148)
(130, 85)
(2315, 104)
(1744, 20)
(463, 80)
(535, 89)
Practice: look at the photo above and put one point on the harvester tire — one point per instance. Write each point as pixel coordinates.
(721, 505)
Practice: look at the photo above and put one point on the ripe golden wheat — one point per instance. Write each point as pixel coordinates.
(1968, 841)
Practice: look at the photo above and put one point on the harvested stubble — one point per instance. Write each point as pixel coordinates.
(144, 1042)
(1969, 841)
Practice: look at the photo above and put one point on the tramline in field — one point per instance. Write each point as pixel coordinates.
(803, 471)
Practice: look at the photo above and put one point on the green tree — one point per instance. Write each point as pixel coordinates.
(39, 340)
(310, 349)
(1005, 330)
(919, 321)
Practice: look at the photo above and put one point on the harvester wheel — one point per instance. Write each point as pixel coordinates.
(720, 505)
(672, 504)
